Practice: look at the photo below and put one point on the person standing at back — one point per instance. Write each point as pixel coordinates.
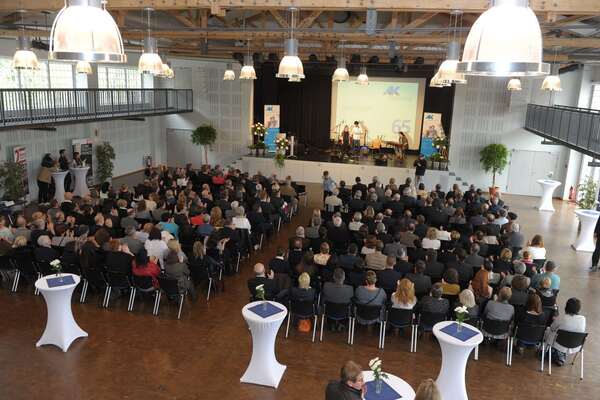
(420, 165)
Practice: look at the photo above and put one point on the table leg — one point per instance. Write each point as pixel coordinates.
(451, 379)
(61, 328)
(264, 369)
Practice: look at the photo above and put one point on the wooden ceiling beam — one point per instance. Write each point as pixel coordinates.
(282, 22)
(183, 19)
(419, 21)
(561, 7)
(310, 19)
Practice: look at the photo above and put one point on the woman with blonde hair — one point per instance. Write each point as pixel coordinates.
(323, 256)
(216, 217)
(467, 298)
(428, 390)
(430, 241)
(404, 296)
(303, 292)
(536, 248)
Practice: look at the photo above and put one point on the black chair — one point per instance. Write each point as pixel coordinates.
(573, 342)
(539, 263)
(400, 318)
(369, 315)
(142, 284)
(425, 323)
(496, 329)
(94, 277)
(200, 272)
(119, 281)
(43, 267)
(529, 335)
(302, 310)
(24, 265)
(170, 287)
(336, 312)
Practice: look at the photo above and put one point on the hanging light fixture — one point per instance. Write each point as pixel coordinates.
(552, 82)
(363, 78)
(290, 66)
(341, 73)
(165, 71)
(84, 31)
(83, 67)
(24, 58)
(447, 71)
(437, 82)
(247, 72)
(229, 75)
(506, 40)
(150, 62)
(514, 85)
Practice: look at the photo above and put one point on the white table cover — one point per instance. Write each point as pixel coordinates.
(399, 385)
(264, 369)
(61, 328)
(455, 354)
(585, 240)
(80, 175)
(59, 185)
(548, 187)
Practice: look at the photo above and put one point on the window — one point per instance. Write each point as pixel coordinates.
(61, 75)
(31, 79)
(119, 78)
(595, 103)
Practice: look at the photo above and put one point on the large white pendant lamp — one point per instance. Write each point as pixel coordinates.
(363, 78)
(84, 31)
(514, 85)
(150, 62)
(83, 67)
(341, 73)
(24, 58)
(291, 67)
(229, 75)
(506, 40)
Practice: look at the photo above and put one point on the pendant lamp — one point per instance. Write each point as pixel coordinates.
(229, 75)
(24, 58)
(150, 62)
(341, 73)
(83, 67)
(291, 67)
(363, 78)
(506, 40)
(514, 85)
(84, 31)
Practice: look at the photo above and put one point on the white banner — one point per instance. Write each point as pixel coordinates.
(20, 157)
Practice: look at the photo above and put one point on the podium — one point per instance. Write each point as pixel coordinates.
(80, 176)
(59, 184)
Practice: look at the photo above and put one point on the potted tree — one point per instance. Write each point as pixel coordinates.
(105, 154)
(494, 157)
(11, 180)
(587, 194)
(204, 136)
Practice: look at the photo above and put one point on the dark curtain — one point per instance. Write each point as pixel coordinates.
(305, 106)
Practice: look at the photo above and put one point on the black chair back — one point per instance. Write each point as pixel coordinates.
(24, 263)
(429, 319)
(570, 340)
(400, 318)
(72, 269)
(452, 299)
(495, 327)
(44, 268)
(169, 286)
(367, 312)
(117, 280)
(549, 301)
(94, 277)
(143, 283)
(539, 263)
(530, 334)
(336, 311)
(303, 309)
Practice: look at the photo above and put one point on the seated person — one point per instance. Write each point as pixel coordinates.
(450, 284)
(369, 294)
(350, 386)
(261, 278)
(570, 321)
(421, 281)
(500, 309)
(434, 303)
(466, 298)
(144, 266)
(118, 258)
(323, 257)
(278, 264)
(389, 277)
(304, 292)
(404, 296)
(377, 260)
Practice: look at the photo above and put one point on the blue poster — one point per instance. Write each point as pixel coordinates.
(427, 148)
(270, 137)
(272, 125)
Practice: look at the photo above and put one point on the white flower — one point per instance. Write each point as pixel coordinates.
(461, 309)
(55, 263)
(260, 287)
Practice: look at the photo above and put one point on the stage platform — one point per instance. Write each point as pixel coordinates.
(312, 171)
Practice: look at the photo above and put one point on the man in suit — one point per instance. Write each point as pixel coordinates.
(44, 252)
(357, 204)
(261, 278)
(358, 186)
(350, 261)
(278, 264)
(300, 235)
(349, 387)
(434, 303)
(403, 265)
(421, 227)
(395, 248)
(474, 259)
(409, 237)
(376, 260)
(422, 282)
(389, 277)
(465, 271)
(433, 268)
(337, 291)
(396, 206)
(338, 234)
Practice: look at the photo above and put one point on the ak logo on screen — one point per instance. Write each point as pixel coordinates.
(392, 91)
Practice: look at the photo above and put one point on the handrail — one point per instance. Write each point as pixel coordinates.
(35, 107)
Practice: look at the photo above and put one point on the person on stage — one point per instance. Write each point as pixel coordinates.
(356, 134)
(403, 145)
(421, 165)
(346, 137)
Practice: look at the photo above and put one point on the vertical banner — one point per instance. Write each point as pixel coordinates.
(84, 148)
(432, 128)
(272, 126)
(20, 157)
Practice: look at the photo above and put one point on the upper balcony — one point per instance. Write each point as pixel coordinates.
(48, 107)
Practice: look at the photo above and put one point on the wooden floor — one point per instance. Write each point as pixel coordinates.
(203, 355)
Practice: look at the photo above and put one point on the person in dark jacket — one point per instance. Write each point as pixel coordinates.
(261, 278)
(350, 386)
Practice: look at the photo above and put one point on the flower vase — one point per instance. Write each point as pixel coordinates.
(264, 305)
(459, 327)
(378, 385)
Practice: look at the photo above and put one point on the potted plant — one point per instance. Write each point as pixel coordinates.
(435, 160)
(443, 163)
(494, 157)
(11, 180)
(204, 136)
(253, 147)
(262, 147)
(258, 132)
(105, 154)
(282, 146)
(587, 194)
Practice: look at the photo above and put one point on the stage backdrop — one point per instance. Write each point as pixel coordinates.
(306, 106)
(384, 107)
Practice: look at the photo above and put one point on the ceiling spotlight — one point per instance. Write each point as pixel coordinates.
(229, 75)
(363, 78)
(514, 85)
(83, 67)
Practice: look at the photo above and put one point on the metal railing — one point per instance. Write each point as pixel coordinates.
(576, 128)
(26, 107)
